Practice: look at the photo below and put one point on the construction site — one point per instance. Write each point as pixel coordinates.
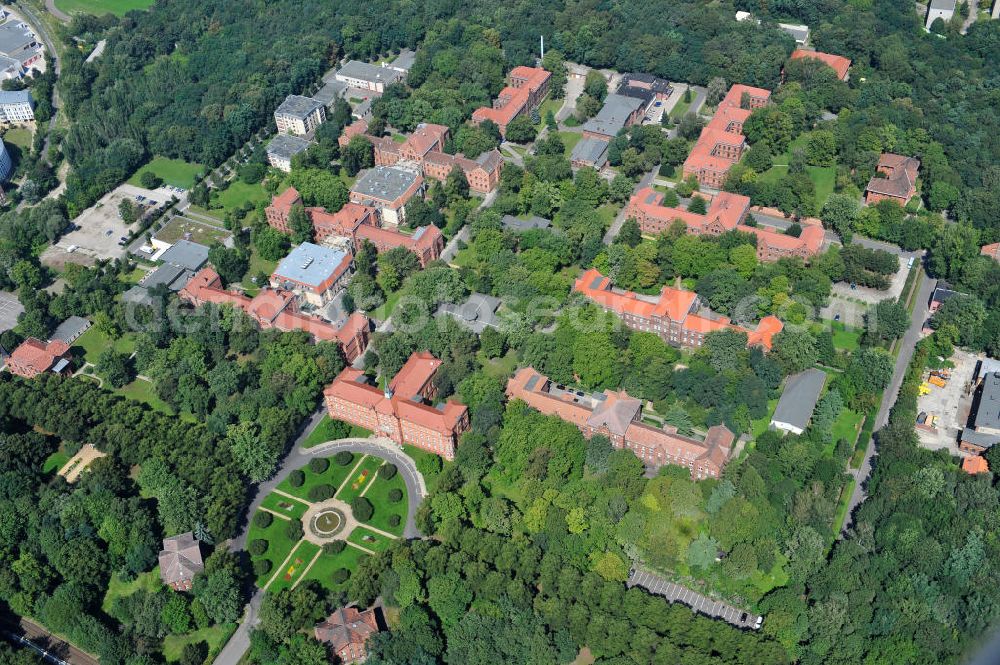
(945, 401)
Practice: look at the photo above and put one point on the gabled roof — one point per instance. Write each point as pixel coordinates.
(975, 464)
(838, 63)
(798, 399)
(347, 628)
(37, 355)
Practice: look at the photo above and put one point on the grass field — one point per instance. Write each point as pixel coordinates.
(238, 193)
(322, 571)
(216, 636)
(258, 264)
(93, 342)
(278, 545)
(55, 461)
(548, 105)
(378, 494)
(680, 108)
(148, 582)
(174, 172)
(282, 505)
(334, 475)
(101, 7)
(331, 430)
(570, 139)
(370, 540)
(845, 499)
(846, 426)
(19, 136)
(844, 338)
(360, 478)
(292, 571)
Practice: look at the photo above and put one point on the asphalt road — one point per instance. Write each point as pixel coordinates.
(923, 292)
(297, 458)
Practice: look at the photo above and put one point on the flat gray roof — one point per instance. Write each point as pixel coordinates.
(534, 222)
(309, 264)
(185, 254)
(16, 97)
(612, 116)
(70, 329)
(172, 276)
(14, 37)
(981, 439)
(366, 71)
(298, 106)
(404, 61)
(477, 313)
(988, 410)
(799, 398)
(591, 150)
(943, 4)
(287, 145)
(385, 183)
(138, 295)
(330, 92)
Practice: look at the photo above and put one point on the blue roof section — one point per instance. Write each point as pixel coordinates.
(16, 97)
(309, 264)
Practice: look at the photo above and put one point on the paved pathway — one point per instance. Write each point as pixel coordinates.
(50, 5)
(616, 225)
(297, 458)
(676, 593)
(922, 290)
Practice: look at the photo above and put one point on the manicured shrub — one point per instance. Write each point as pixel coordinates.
(261, 567)
(296, 478)
(319, 465)
(341, 575)
(257, 547)
(263, 519)
(321, 492)
(334, 547)
(362, 509)
(395, 495)
(343, 458)
(293, 531)
(394, 520)
(388, 471)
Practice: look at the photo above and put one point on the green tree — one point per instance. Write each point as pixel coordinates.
(359, 154)
(150, 180)
(794, 350)
(256, 460)
(115, 367)
(456, 187)
(520, 130)
(300, 224)
(629, 235)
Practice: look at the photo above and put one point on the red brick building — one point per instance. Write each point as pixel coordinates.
(896, 179)
(33, 357)
(618, 416)
(347, 631)
(277, 308)
(676, 316)
(837, 63)
(722, 143)
(992, 250)
(725, 212)
(528, 87)
(357, 223)
(404, 411)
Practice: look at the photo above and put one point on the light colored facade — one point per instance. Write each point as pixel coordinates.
(282, 148)
(16, 107)
(366, 76)
(6, 166)
(388, 189)
(299, 115)
(314, 273)
(940, 9)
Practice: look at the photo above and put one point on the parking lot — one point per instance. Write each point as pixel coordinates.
(676, 593)
(10, 309)
(951, 404)
(100, 229)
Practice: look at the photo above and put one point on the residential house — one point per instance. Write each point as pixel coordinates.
(366, 76)
(16, 107)
(388, 189)
(405, 412)
(525, 92)
(354, 224)
(347, 632)
(721, 143)
(299, 115)
(618, 416)
(895, 179)
(313, 273)
(974, 464)
(676, 316)
(282, 148)
(180, 561)
(991, 250)
(33, 357)
(726, 212)
(278, 309)
(425, 149)
(942, 292)
(939, 9)
(798, 400)
(618, 112)
(837, 63)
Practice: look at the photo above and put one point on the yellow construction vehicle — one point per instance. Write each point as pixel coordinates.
(925, 388)
(938, 381)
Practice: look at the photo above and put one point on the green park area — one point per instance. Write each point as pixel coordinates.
(19, 136)
(175, 172)
(823, 177)
(331, 430)
(548, 105)
(324, 518)
(570, 139)
(101, 7)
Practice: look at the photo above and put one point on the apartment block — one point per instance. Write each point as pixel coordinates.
(525, 92)
(405, 411)
(299, 115)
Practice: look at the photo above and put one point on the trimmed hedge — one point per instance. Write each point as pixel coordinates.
(319, 465)
(362, 509)
(343, 458)
(395, 495)
(257, 546)
(334, 547)
(263, 519)
(321, 492)
(294, 530)
(296, 478)
(394, 520)
(388, 471)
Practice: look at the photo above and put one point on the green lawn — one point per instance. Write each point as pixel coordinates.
(148, 582)
(607, 213)
(278, 545)
(292, 571)
(55, 461)
(331, 430)
(322, 571)
(145, 392)
(548, 105)
(846, 426)
(174, 172)
(334, 475)
(370, 540)
(845, 499)
(500, 368)
(681, 108)
(282, 505)
(360, 478)
(101, 7)
(93, 342)
(384, 509)
(258, 264)
(428, 464)
(384, 311)
(761, 424)
(570, 139)
(216, 636)
(19, 136)
(845, 338)
(238, 193)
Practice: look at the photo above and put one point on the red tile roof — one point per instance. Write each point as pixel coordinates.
(722, 129)
(992, 250)
(516, 97)
(838, 63)
(33, 356)
(347, 630)
(726, 208)
(975, 464)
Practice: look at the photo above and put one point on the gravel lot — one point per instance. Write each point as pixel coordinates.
(950, 404)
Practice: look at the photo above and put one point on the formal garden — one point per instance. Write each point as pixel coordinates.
(324, 518)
